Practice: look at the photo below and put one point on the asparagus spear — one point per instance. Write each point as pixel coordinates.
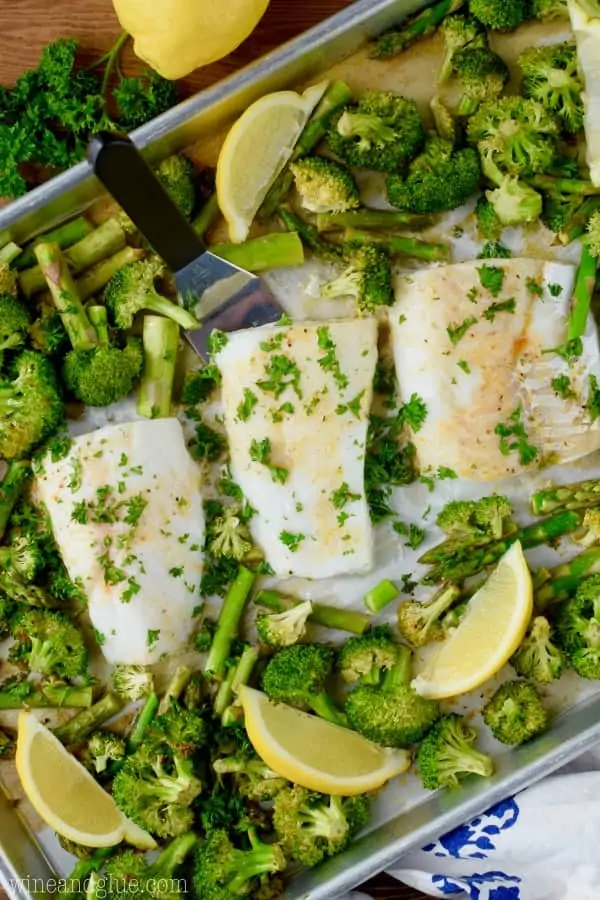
(143, 721)
(577, 224)
(422, 25)
(336, 96)
(577, 495)
(228, 624)
(82, 871)
(310, 236)
(103, 241)
(582, 294)
(65, 236)
(407, 246)
(237, 675)
(176, 687)
(565, 578)
(471, 560)
(86, 721)
(82, 333)
(207, 216)
(558, 186)
(380, 596)
(327, 616)
(53, 695)
(271, 251)
(96, 278)
(368, 218)
(9, 253)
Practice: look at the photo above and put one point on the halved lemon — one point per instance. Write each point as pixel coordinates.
(314, 753)
(494, 626)
(255, 151)
(65, 795)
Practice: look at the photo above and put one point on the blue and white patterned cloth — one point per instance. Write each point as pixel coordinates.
(543, 844)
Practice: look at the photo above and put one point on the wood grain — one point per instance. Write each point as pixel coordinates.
(26, 26)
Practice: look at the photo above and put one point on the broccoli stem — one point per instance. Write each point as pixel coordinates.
(407, 246)
(82, 870)
(337, 95)
(143, 721)
(381, 595)
(175, 688)
(324, 707)
(65, 236)
(173, 855)
(65, 296)
(582, 295)
(224, 693)
(367, 218)
(578, 495)
(99, 275)
(556, 186)
(86, 721)
(16, 477)
(101, 242)
(271, 251)
(50, 695)
(207, 216)
(425, 23)
(160, 339)
(565, 578)
(327, 616)
(577, 224)
(9, 253)
(310, 236)
(228, 624)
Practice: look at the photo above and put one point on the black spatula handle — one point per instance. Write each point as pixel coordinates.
(126, 175)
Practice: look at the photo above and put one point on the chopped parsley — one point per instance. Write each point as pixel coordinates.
(414, 412)
(472, 294)
(569, 351)
(408, 583)
(260, 452)
(491, 279)
(457, 331)
(281, 373)
(273, 343)
(503, 306)
(534, 287)
(176, 571)
(388, 463)
(353, 406)
(444, 473)
(246, 405)
(561, 385)
(216, 342)
(132, 589)
(464, 365)
(285, 409)
(153, 634)
(555, 290)
(198, 386)
(74, 482)
(413, 534)
(290, 540)
(343, 495)
(593, 402)
(428, 481)
(207, 444)
(329, 361)
(514, 438)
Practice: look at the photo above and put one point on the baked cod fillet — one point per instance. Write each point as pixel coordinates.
(126, 512)
(471, 340)
(296, 401)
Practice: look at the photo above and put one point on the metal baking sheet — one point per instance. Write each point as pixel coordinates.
(404, 819)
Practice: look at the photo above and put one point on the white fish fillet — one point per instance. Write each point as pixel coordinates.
(506, 367)
(313, 435)
(141, 580)
(587, 36)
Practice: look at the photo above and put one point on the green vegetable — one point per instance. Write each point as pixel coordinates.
(66, 298)
(47, 642)
(551, 76)
(310, 236)
(102, 748)
(550, 9)
(538, 657)
(327, 616)
(516, 135)
(228, 623)
(585, 284)
(367, 279)
(160, 341)
(128, 870)
(297, 675)
(378, 219)
(494, 250)
(382, 131)
(230, 535)
(324, 185)
(252, 778)
(489, 225)
(88, 720)
(482, 75)
(176, 173)
(447, 753)
(390, 712)
(578, 628)
(422, 25)
(284, 628)
(223, 871)
(31, 408)
(132, 290)
(440, 178)
(142, 722)
(398, 244)
(577, 495)
(488, 518)
(14, 324)
(504, 16)
(458, 32)
(363, 659)
(515, 713)
(239, 673)
(12, 486)
(132, 682)
(17, 693)
(380, 596)
(419, 622)
(64, 235)
(270, 251)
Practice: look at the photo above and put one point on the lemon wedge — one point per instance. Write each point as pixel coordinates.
(314, 753)
(255, 151)
(494, 626)
(65, 795)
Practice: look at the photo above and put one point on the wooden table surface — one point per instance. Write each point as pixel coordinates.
(27, 25)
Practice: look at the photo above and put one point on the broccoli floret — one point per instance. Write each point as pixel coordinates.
(132, 682)
(368, 279)
(363, 658)
(383, 131)
(482, 74)
(8, 280)
(515, 135)
(22, 557)
(440, 179)
(298, 674)
(457, 32)
(504, 16)
(538, 657)
(47, 642)
(177, 176)
(230, 535)
(489, 226)
(285, 628)
(313, 826)
(550, 9)
(391, 713)
(593, 234)
(514, 202)
(14, 323)
(31, 407)
(222, 871)
(447, 753)
(324, 185)
(419, 623)
(102, 747)
(107, 373)
(589, 533)
(494, 250)
(251, 776)
(578, 628)
(487, 517)
(515, 713)
(7, 608)
(48, 334)
(183, 731)
(551, 76)
(132, 289)
(128, 872)
(454, 617)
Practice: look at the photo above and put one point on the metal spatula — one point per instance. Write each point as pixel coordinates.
(220, 294)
